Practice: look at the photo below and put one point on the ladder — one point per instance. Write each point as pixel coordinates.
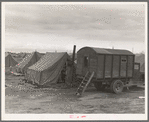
(86, 80)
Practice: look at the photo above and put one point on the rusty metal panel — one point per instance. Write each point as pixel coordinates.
(100, 67)
(108, 66)
(116, 66)
(123, 66)
(130, 66)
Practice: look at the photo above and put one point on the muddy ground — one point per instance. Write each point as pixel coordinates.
(21, 97)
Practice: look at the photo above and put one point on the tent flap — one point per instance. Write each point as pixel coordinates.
(10, 61)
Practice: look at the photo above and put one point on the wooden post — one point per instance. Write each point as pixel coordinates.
(73, 58)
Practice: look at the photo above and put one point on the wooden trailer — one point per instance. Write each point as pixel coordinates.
(112, 68)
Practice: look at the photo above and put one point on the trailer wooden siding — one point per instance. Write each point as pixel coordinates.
(93, 65)
(108, 66)
(100, 66)
(116, 60)
(92, 62)
(105, 64)
(130, 66)
(123, 66)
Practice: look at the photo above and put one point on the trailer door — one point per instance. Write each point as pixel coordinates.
(85, 64)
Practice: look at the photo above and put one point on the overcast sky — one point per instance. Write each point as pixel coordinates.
(50, 27)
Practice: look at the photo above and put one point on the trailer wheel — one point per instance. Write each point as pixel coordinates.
(117, 86)
(98, 85)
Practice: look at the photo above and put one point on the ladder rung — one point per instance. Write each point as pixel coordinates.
(87, 78)
(83, 83)
(80, 88)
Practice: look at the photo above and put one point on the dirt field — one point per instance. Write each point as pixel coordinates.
(21, 97)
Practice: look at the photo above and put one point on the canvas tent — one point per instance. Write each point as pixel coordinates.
(29, 60)
(22, 55)
(140, 59)
(9, 60)
(48, 69)
(142, 68)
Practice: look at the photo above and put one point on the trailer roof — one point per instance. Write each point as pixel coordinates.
(111, 51)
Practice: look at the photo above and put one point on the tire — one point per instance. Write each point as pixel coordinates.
(117, 86)
(98, 86)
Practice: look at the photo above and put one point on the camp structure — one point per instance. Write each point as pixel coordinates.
(142, 68)
(22, 54)
(48, 69)
(140, 59)
(112, 67)
(9, 60)
(29, 60)
(140, 71)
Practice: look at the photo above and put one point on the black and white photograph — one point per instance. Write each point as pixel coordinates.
(74, 61)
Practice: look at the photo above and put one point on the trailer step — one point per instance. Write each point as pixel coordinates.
(83, 85)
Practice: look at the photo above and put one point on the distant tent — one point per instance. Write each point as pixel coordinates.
(9, 60)
(29, 60)
(141, 59)
(142, 67)
(18, 59)
(72, 55)
(13, 54)
(6, 54)
(42, 54)
(48, 69)
(23, 55)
